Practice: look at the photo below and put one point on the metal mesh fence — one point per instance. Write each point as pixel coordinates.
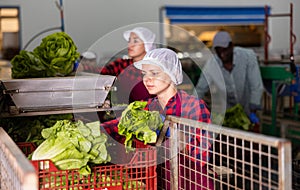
(219, 158)
(290, 129)
(229, 158)
(16, 172)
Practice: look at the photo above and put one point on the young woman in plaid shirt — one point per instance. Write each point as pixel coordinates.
(162, 72)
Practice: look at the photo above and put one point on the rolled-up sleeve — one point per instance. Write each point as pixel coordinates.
(111, 128)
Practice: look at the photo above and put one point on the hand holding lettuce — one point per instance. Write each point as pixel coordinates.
(139, 123)
(235, 117)
(55, 56)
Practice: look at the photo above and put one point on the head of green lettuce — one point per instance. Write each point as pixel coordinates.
(55, 56)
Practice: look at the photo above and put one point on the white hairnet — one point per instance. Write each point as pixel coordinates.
(167, 60)
(145, 34)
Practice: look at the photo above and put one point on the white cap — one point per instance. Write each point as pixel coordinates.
(146, 35)
(167, 60)
(221, 39)
(89, 55)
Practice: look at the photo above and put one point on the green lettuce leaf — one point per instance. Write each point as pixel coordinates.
(73, 145)
(59, 51)
(139, 123)
(28, 65)
(235, 117)
(55, 56)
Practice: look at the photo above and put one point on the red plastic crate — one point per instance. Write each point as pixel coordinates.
(26, 147)
(138, 173)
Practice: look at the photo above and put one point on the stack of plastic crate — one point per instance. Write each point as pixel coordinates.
(138, 173)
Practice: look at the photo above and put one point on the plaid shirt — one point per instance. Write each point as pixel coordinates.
(191, 108)
(129, 80)
(115, 68)
(92, 69)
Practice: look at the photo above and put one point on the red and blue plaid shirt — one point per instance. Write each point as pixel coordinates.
(116, 68)
(188, 106)
(191, 108)
(129, 80)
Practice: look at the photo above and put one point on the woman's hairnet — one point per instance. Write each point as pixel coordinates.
(145, 34)
(167, 60)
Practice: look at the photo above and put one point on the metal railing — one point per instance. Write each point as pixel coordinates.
(16, 171)
(236, 159)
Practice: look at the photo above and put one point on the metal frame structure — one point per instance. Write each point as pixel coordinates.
(55, 95)
(279, 81)
(16, 172)
(238, 159)
(268, 37)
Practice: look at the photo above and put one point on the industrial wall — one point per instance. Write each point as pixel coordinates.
(88, 20)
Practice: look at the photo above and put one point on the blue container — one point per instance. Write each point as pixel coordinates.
(295, 88)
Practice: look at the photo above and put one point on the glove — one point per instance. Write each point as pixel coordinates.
(253, 118)
(76, 64)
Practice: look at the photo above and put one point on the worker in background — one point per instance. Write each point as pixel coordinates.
(162, 72)
(241, 74)
(129, 84)
(140, 40)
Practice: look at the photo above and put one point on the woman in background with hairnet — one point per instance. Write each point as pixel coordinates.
(129, 83)
(140, 40)
(162, 72)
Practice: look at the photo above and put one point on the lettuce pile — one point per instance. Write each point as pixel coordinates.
(28, 64)
(55, 56)
(139, 123)
(235, 117)
(29, 128)
(73, 145)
